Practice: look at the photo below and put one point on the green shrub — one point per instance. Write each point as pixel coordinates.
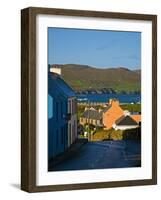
(101, 135)
(116, 135)
(112, 134)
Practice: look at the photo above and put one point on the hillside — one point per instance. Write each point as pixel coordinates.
(83, 77)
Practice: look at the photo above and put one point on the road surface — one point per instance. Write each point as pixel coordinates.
(104, 154)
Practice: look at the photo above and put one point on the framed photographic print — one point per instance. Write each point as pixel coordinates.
(89, 99)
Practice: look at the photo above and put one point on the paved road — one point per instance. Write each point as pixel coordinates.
(105, 154)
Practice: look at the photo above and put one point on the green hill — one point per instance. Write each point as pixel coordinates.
(84, 77)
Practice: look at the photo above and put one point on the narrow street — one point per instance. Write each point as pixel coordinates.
(104, 154)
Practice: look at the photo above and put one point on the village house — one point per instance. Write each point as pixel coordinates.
(125, 122)
(91, 116)
(112, 116)
(111, 113)
(137, 118)
(62, 114)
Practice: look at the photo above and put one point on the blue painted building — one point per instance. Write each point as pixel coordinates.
(62, 115)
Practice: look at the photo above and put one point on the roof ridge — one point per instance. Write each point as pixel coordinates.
(128, 120)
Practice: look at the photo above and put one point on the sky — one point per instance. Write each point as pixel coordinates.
(101, 49)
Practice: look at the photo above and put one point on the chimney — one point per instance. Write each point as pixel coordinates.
(110, 101)
(99, 110)
(56, 70)
(126, 113)
(114, 102)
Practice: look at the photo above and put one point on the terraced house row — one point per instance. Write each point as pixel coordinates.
(112, 116)
(62, 114)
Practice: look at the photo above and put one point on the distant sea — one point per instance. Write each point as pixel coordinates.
(123, 98)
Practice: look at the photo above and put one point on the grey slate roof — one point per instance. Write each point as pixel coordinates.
(55, 82)
(125, 120)
(107, 108)
(92, 114)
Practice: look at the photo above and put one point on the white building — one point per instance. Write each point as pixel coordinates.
(125, 122)
(72, 120)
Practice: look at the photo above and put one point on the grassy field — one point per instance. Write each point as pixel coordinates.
(84, 77)
(131, 107)
(118, 87)
(127, 87)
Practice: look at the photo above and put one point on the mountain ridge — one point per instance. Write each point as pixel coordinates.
(85, 77)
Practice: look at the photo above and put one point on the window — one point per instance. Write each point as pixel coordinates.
(50, 107)
(61, 109)
(69, 133)
(57, 112)
(69, 106)
(57, 138)
(74, 106)
(75, 130)
(62, 135)
(66, 132)
(75, 103)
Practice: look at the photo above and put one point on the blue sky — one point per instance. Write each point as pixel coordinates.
(96, 48)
